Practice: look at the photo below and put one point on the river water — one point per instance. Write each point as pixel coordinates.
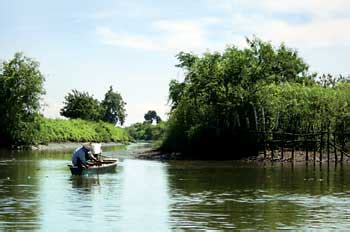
(38, 193)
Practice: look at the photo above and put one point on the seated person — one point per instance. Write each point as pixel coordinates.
(81, 156)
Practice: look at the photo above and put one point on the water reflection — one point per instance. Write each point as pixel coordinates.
(19, 202)
(250, 196)
(144, 199)
(37, 192)
(84, 182)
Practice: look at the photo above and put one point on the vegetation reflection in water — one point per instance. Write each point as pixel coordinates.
(240, 195)
(37, 192)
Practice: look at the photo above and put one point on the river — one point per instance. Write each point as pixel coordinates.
(37, 192)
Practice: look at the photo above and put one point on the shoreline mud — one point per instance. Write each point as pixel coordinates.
(146, 152)
(67, 146)
(298, 156)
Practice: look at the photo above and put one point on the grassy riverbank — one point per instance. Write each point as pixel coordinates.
(77, 130)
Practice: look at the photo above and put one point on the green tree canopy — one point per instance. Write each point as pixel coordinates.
(81, 105)
(152, 115)
(21, 87)
(113, 107)
(147, 131)
(223, 96)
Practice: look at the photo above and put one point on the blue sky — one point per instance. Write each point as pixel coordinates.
(131, 45)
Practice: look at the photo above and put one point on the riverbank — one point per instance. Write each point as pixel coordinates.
(298, 156)
(58, 131)
(64, 146)
(154, 154)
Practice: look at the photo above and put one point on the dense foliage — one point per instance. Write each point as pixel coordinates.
(113, 107)
(81, 105)
(299, 109)
(78, 130)
(21, 87)
(151, 116)
(224, 97)
(84, 106)
(147, 131)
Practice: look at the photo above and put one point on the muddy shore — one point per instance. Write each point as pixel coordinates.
(299, 156)
(66, 146)
(146, 152)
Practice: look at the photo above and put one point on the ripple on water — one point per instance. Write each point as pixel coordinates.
(310, 209)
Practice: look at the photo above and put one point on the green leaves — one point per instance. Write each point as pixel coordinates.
(77, 130)
(147, 131)
(84, 106)
(152, 115)
(299, 107)
(113, 107)
(81, 105)
(21, 87)
(262, 87)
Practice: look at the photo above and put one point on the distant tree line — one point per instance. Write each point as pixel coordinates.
(146, 130)
(151, 116)
(84, 106)
(227, 96)
(21, 124)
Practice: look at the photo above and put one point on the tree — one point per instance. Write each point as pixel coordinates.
(81, 105)
(146, 131)
(176, 90)
(220, 99)
(158, 119)
(113, 107)
(152, 115)
(21, 87)
(329, 80)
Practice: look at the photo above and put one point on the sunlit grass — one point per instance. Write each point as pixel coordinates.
(77, 130)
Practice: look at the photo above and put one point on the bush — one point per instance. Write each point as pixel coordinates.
(21, 87)
(147, 131)
(78, 130)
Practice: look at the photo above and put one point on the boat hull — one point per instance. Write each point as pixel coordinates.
(107, 166)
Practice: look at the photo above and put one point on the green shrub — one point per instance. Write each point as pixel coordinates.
(147, 131)
(78, 130)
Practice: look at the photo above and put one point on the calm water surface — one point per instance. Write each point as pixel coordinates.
(38, 193)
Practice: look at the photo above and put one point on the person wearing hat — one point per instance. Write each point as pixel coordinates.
(81, 155)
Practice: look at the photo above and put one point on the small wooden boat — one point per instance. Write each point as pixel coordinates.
(103, 167)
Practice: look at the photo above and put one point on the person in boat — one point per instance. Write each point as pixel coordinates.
(82, 155)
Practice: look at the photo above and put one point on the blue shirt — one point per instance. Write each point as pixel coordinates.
(79, 153)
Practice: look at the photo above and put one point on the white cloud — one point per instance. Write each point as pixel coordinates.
(169, 35)
(314, 34)
(178, 35)
(224, 5)
(324, 24)
(125, 40)
(317, 33)
(319, 8)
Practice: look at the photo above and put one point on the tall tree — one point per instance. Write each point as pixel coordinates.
(152, 115)
(220, 99)
(81, 105)
(21, 87)
(113, 107)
